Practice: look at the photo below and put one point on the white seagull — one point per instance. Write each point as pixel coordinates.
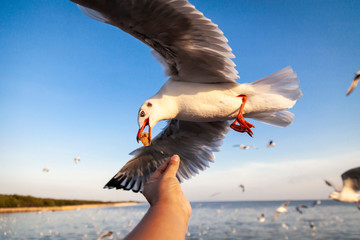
(261, 219)
(354, 83)
(46, 169)
(271, 144)
(245, 147)
(281, 209)
(77, 159)
(201, 94)
(104, 235)
(351, 187)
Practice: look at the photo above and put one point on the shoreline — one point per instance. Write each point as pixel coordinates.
(63, 208)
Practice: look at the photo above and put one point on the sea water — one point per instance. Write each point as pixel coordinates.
(209, 220)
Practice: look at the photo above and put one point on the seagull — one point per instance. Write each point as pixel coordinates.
(245, 147)
(300, 206)
(104, 235)
(46, 169)
(271, 144)
(77, 159)
(214, 194)
(351, 187)
(281, 209)
(242, 187)
(354, 83)
(311, 225)
(262, 219)
(316, 202)
(201, 94)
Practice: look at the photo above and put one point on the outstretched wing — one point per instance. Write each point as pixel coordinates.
(194, 142)
(333, 185)
(351, 179)
(191, 46)
(285, 204)
(354, 83)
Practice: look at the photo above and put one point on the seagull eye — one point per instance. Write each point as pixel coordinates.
(142, 113)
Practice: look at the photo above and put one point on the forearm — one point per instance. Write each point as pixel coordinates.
(161, 222)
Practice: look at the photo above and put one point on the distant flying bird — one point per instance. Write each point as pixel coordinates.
(104, 235)
(262, 219)
(350, 189)
(300, 206)
(201, 94)
(77, 159)
(245, 147)
(312, 226)
(316, 202)
(271, 144)
(46, 169)
(242, 187)
(281, 209)
(214, 194)
(354, 83)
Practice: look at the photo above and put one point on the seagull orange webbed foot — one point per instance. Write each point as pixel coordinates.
(244, 126)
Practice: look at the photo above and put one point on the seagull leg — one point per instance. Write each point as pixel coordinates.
(357, 205)
(244, 126)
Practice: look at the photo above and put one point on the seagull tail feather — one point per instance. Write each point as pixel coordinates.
(276, 93)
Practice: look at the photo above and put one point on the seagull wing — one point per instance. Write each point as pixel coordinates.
(331, 184)
(193, 142)
(191, 47)
(276, 216)
(351, 179)
(285, 204)
(298, 209)
(354, 83)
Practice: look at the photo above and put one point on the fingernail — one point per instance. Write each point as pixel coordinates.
(175, 158)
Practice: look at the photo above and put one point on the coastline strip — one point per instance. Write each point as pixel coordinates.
(63, 208)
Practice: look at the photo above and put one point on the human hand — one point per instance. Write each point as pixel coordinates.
(163, 188)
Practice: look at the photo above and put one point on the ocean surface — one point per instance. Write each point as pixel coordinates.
(209, 220)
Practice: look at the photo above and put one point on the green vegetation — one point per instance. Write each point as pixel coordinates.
(11, 201)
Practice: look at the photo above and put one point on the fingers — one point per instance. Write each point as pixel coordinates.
(160, 170)
(173, 166)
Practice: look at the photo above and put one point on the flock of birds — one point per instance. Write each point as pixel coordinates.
(246, 147)
(201, 94)
(76, 160)
(347, 193)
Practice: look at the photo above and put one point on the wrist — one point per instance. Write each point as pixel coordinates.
(178, 211)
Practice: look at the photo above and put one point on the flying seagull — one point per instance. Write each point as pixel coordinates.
(271, 144)
(242, 187)
(316, 202)
(261, 219)
(77, 159)
(201, 94)
(104, 235)
(311, 225)
(281, 209)
(245, 147)
(354, 83)
(350, 189)
(300, 206)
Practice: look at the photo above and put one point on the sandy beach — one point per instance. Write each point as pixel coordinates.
(63, 208)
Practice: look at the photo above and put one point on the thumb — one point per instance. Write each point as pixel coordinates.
(173, 166)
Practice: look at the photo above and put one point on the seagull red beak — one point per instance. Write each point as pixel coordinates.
(146, 123)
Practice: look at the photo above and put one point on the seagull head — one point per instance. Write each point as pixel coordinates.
(146, 117)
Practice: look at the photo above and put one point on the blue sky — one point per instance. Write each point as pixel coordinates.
(71, 86)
